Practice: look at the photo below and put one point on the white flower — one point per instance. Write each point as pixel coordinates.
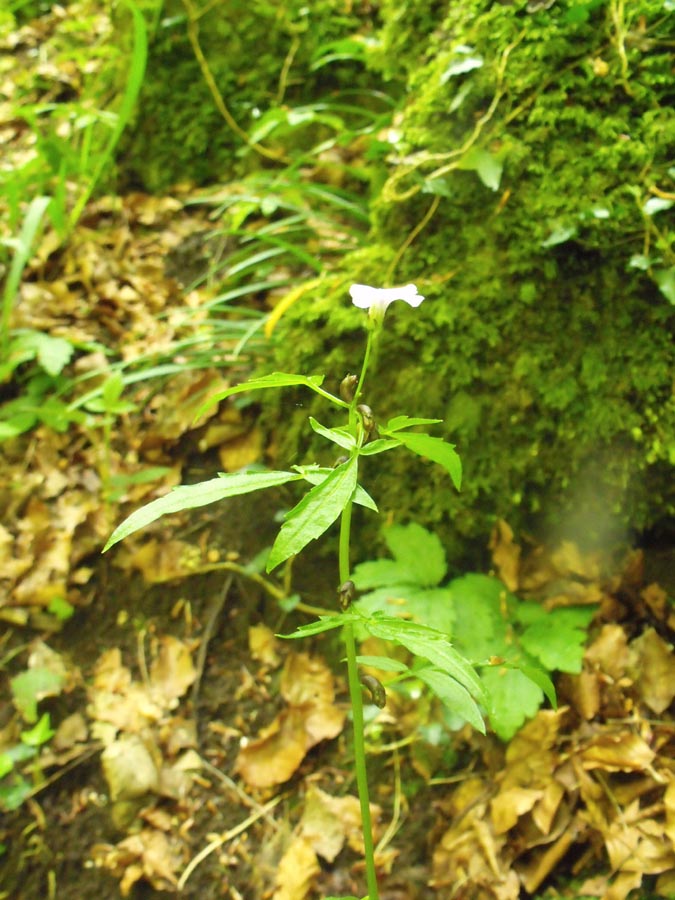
(376, 300)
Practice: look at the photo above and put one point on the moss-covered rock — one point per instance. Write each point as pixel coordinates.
(264, 58)
(530, 144)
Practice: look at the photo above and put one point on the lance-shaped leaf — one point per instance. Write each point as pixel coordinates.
(324, 623)
(429, 644)
(399, 422)
(318, 474)
(315, 513)
(453, 694)
(339, 436)
(437, 450)
(275, 380)
(190, 496)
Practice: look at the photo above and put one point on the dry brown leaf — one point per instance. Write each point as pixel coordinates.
(241, 451)
(297, 870)
(172, 672)
(129, 768)
(609, 651)
(276, 753)
(263, 645)
(653, 670)
(622, 752)
(505, 554)
(307, 686)
(509, 805)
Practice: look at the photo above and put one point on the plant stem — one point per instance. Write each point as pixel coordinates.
(357, 713)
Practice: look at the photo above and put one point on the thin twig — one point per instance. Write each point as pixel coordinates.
(224, 838)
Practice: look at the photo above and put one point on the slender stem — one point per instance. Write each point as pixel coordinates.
(357, 714)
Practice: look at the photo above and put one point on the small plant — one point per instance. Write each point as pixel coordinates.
(19, 757)
(512, 643)
(331, 497)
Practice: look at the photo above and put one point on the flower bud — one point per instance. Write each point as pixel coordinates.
(346, 593)
(378, 695)
(341, 460)
(348, 387)
(366, 417)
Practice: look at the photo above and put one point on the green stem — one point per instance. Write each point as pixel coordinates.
(357, 712)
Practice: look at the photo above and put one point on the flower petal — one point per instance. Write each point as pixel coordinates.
(366, 297)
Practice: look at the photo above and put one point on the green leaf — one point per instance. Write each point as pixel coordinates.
(318, 474)
(399, 422)
(665, 279)
(379, 446)
(556, 638)
(315, 513)
(513, 698)
(418, 552)
(40, 733)
(13, 795)
(429, 644)
(274, 380)
(454, 695)
(485, 165)
(438, 451)
(33, 685)
(383, 663)
(324, 623)
(559, 235)
(195, 495)
(338, 436)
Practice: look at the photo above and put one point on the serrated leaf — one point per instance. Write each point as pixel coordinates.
(454, 695)
(315, 513)
(438, 451)
(318, 474)
(399, 422)
(482, 605)
(429, 644)
(512, 698)
(192, 496)
(556, 638)
(274, 380)
(419, 553)
(338, 436)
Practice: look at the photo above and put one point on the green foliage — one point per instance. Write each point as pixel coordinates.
(546, 341)
(28, 688)
(514, 643)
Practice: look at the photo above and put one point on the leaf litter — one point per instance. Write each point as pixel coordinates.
(584, 792)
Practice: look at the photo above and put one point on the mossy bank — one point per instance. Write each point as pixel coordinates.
(529, 188)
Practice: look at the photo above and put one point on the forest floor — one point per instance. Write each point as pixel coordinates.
(196, 753)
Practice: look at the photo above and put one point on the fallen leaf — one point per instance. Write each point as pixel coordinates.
(296, 872)
(653, 670)
(623, 752)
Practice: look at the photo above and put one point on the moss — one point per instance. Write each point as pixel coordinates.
(548, 356)
(262, 57)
